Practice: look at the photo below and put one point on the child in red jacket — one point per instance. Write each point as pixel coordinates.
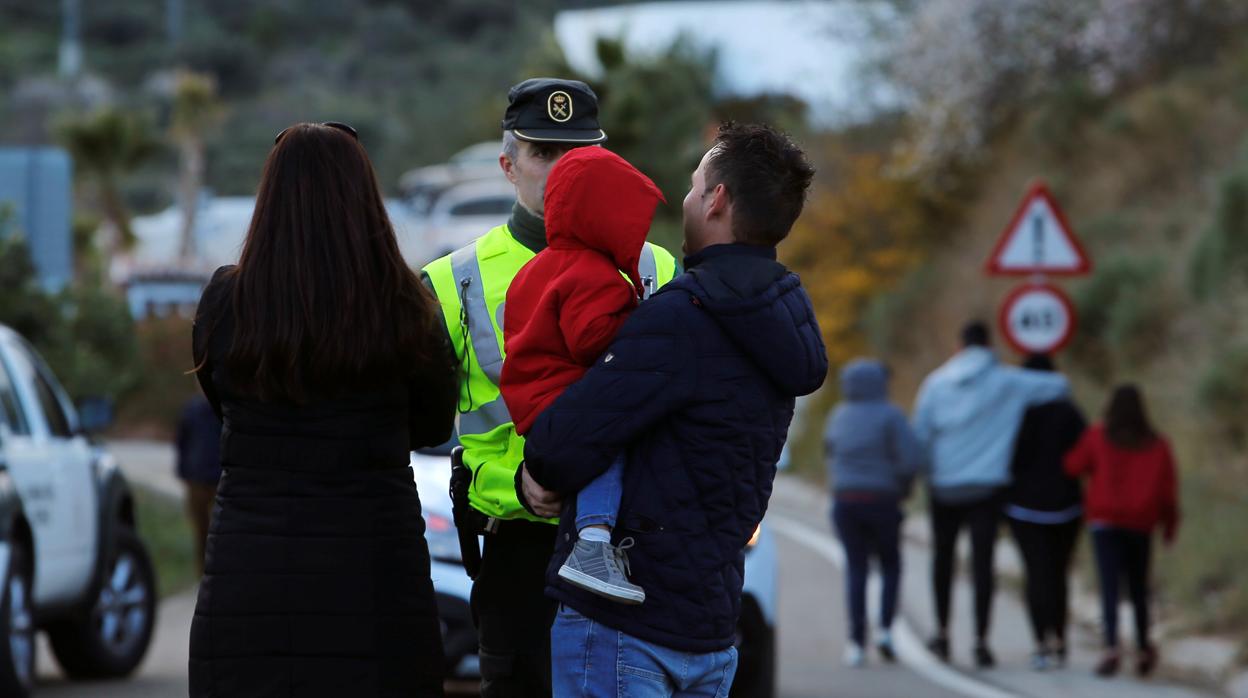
(563, 309)
(1132, 489)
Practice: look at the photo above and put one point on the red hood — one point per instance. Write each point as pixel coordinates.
(596, 200)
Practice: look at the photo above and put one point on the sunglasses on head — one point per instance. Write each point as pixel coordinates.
(332, 124)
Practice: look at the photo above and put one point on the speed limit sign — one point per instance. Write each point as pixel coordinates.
(1037, 318)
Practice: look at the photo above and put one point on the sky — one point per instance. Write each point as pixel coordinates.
(817, 50)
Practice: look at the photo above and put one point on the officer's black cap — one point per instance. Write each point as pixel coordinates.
(549, 110)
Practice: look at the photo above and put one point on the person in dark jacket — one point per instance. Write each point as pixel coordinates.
(322, 354)
(872, 459)
(198, 444)
(697, 390)
(1044, 507)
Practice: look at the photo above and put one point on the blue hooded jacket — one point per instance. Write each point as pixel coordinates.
(697, 389)
(869, 444)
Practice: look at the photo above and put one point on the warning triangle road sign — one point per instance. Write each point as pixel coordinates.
(1038, 240)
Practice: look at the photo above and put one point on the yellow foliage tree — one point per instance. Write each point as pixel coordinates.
(864, 227)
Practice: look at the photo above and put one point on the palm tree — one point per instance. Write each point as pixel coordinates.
(106, 145)
(196, 111)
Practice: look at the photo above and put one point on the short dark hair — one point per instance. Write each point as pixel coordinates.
(975, 334)
(766, 176)
(1039, 362)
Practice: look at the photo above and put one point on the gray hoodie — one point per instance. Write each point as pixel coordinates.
(870, 447)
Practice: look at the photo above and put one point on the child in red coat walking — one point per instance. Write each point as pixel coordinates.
(1132, 489)
(563, 309)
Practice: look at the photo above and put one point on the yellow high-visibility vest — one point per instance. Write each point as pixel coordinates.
(471, 286)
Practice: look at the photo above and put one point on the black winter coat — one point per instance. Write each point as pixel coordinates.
(316, 577)
(1037, 479)
(697, 389)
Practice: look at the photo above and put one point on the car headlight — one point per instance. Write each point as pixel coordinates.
(754, 538)
(442, 539)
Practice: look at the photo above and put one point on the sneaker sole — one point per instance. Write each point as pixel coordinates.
(581, 580)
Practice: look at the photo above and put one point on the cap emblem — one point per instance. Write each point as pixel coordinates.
(559, 106)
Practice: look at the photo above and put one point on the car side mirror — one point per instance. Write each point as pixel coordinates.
(95, 414)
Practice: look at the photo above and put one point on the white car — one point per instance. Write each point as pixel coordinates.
(71, 562)
(755, 641)
(465, 212)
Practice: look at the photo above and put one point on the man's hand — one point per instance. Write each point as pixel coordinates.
(542, 501)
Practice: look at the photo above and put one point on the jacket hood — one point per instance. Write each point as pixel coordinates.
(596, 200)
(762, 307)
(969, 365)
(864, 380)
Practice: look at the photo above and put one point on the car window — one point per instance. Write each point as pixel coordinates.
(27, 365)
(500, 205)
(11, 414)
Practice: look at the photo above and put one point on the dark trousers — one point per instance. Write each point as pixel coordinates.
(511, 611)
(1047, 550)
(200, 498)
(1121, 555)
(869, 529)
(982, 517)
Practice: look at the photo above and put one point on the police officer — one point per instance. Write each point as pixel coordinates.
(545, 118)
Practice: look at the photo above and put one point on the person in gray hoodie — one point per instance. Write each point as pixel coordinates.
(872, 458)
(967, 416)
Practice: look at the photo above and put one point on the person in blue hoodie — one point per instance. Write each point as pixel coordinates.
(967, 416)
(697, 390)
(872, 457)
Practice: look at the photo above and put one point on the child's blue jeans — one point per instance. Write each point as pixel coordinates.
(599, 501)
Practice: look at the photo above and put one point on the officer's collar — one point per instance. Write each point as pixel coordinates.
(527, 228)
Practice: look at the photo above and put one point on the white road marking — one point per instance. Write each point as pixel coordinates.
(910, 648)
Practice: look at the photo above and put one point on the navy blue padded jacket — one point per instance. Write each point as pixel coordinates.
(698, 390)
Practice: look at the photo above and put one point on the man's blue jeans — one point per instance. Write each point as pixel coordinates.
(590, 660)
(599, 501)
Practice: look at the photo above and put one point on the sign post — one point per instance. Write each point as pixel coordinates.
(1037, 317)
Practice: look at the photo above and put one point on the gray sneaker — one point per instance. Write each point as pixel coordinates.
(601, 568)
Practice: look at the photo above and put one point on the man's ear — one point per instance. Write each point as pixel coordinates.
(508, 167)
(720, 202)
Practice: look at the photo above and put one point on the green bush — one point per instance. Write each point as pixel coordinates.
(84, 333)
(1063, 112)
(1223, 248)
(1222, 394)
(1207, 579)
(1123, 315)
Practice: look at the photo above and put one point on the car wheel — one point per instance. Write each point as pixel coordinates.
(17, 628)
(110, 637)
(756, 654)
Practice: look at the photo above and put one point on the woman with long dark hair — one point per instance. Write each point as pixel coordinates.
(322, 353)
(1132, 489)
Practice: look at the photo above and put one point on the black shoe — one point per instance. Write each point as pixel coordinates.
(1146, 662)
(1058, 655)
(1108, 665)
(939, 646)
(983, 657)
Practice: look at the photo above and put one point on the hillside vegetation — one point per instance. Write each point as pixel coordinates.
(1153, 174)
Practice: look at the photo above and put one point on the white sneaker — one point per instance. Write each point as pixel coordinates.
(854, 655)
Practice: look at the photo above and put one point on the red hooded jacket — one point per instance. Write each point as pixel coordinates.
(1127, 488)
(565, 305)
